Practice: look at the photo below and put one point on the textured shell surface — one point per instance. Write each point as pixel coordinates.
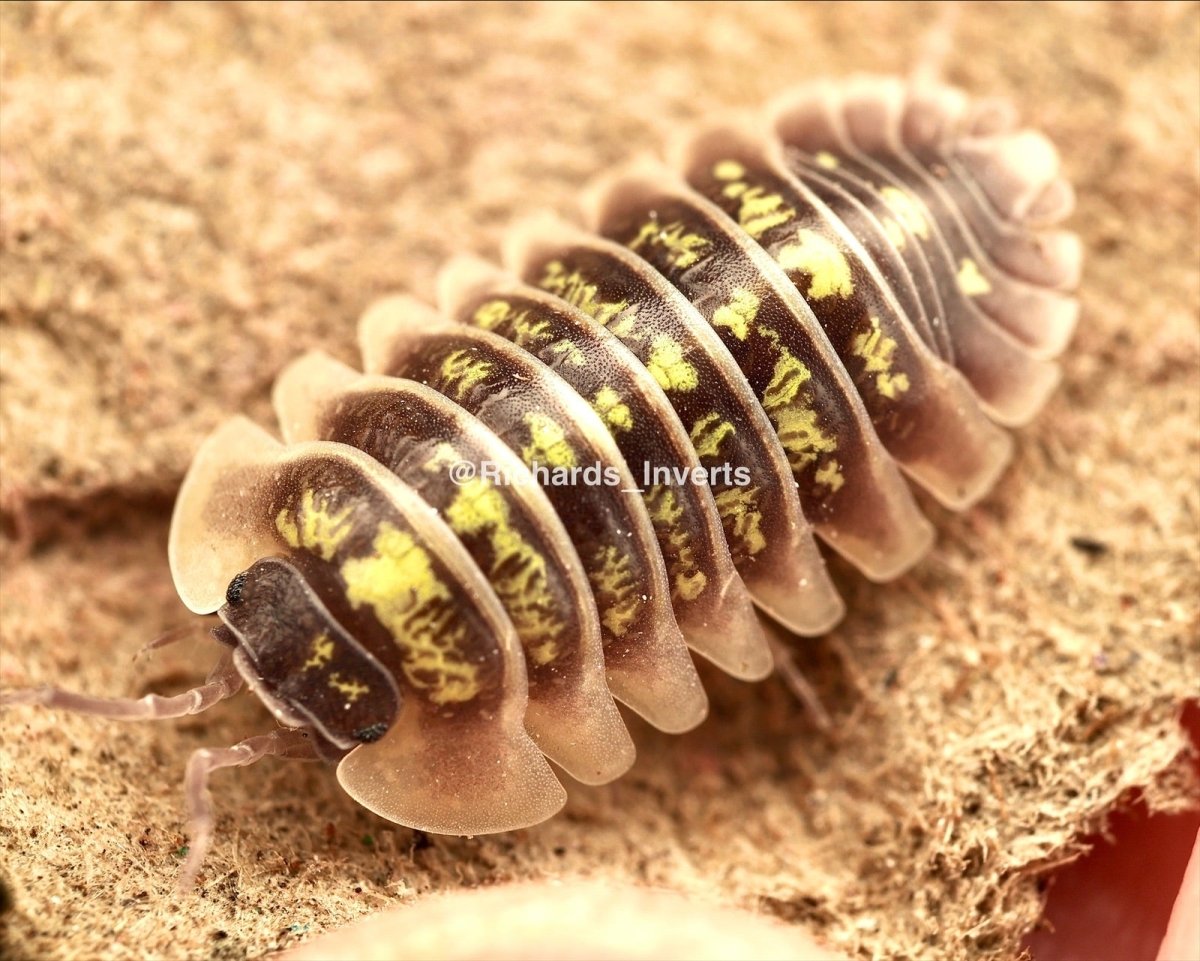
(633, 442)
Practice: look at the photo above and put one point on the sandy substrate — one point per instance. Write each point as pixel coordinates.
(191, 195)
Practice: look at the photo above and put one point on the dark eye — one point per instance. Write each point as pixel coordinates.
(370, 733)
(233, 593)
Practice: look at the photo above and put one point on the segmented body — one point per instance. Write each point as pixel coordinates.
(656, 417)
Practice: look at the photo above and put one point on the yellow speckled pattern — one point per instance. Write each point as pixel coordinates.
(820, 258)
(669, 367)
(908, 210)
(619, 599)
(739, 314)
(491, 314)
(322, 652)
(685, 249)
(547, 443)
(877, 350)
(398, 582)
(517, 570)
(789, 405)
(313, 527)
(612, 410)
(758, 210)
(739, 506)
(708, 432)
(461, 371)
(687, 580)
(351, 690)
(971, 280)
(577, 291)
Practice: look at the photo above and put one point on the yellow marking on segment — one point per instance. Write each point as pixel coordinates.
(708, 433)
(759, 211)
(397, 581)
(728, 170)
(683, 249)
(444, 455)
(547, 442)
(971, 280)
(791, 410)
(789, 376)
(895, 233)
(908, 210)
(667, 365)
(663, 506)
(618, 599)
(462, 370)
(477, 508)
(575, 289)
(738, 507)
(688, 581)
(820, 258)
(491, 314)
(313, 526)
(353, 690)
(517, 570)
(878, 350)
(830, 475)
(801, 436)
(530, 331)
(607, 403)
(827, 160)
(737, 315)
(538, 626)
(568, 351)
(322, 652)
(625, 326)
(689, 586)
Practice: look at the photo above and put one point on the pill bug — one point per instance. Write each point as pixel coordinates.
(753, 348)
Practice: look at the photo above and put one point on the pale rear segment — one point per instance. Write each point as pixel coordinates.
(873, 281)
(920, 406)
(952, 197)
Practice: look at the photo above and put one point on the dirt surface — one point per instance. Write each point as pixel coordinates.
(193, 194)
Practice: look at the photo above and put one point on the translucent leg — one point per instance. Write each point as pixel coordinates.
(285, 743)
(798, 684)
(223, 681)
(172, 636)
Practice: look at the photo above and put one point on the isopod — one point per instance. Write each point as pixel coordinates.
(623, 445)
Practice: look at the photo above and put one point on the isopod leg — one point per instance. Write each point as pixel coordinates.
(779, 639)
(223, 682)
(201, 765)
(173, 636)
